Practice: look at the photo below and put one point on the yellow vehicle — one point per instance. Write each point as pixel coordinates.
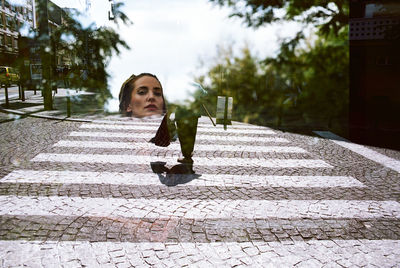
(8, 76)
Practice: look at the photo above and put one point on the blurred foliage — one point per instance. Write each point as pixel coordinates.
(330, 16)
(90, 49)
(304, 86)
(87, 48)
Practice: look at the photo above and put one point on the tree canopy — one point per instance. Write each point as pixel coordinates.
(87, 48)
(330, 16)
(305, 84)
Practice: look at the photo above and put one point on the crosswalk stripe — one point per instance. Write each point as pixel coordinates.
(176, 146)
(148, 136)
(371, 154)
(313, 253)
(224, 180)
(200, 125)
(199, 130)
(196, 208)
(199, 161)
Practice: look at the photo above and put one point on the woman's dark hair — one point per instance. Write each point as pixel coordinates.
(126, 93)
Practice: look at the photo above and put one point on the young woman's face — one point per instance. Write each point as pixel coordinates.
(146, 98)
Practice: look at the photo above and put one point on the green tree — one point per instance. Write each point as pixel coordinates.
(329, 16)
(239, 76)
(90, 49)
(307, 80)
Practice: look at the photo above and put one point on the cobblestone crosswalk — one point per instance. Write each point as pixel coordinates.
(259, 198)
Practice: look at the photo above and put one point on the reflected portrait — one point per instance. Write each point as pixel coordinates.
(142, 96)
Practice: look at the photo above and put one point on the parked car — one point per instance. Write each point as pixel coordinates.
(8, 76)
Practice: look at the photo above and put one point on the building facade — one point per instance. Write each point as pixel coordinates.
(375, 72)
(12, 18)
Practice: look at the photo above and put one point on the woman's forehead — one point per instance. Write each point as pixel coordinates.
(147, 81)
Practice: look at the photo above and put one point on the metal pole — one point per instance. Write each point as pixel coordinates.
(45, 56)
(226, 112)
(6, 93)
(209, 116)
(22, 92)
(68, 106)
(19, 92)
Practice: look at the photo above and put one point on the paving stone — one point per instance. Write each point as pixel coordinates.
(241, 238)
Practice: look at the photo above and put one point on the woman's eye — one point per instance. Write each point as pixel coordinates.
(158, 94)
(141, 92)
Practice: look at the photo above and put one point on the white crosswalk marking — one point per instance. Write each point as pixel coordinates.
(176, 146)
(157, 124)
(313, 253)
(200, 161)
(119, 178)
(303, 212)
(199, 130)
(197, 209)
(371, 154)
(148, 136)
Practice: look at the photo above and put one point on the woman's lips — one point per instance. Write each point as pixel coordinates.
(151, 107)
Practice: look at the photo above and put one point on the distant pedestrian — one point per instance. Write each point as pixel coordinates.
(65, 73)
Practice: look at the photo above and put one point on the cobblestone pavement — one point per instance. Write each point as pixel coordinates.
(76, 194)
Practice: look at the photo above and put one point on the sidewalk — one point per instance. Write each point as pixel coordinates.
(34, 106)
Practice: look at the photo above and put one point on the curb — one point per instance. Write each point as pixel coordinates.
(10, 111)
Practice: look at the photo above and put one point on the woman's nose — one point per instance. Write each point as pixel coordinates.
(150, 96)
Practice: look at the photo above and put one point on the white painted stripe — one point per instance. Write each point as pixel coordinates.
(371, 154)
(362, 150)
(200, 124)
(148, 136)
(195, 208)
(199, 161)
(176, 146)
(208, 180)
(313, 253)
(199, 130)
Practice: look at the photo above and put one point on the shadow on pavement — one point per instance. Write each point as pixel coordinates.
(19, 105)
(178, 174)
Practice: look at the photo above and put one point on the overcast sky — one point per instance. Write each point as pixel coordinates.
(168, 38)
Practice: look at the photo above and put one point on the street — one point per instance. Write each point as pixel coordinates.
(76, 194)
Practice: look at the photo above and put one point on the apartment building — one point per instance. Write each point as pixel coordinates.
(12, 18)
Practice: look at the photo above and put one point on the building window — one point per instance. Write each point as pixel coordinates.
(387, 9)
(8, 41)
(6, 4)
(1, 21)
(2, 40)
(8, 21)
(15, 43)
